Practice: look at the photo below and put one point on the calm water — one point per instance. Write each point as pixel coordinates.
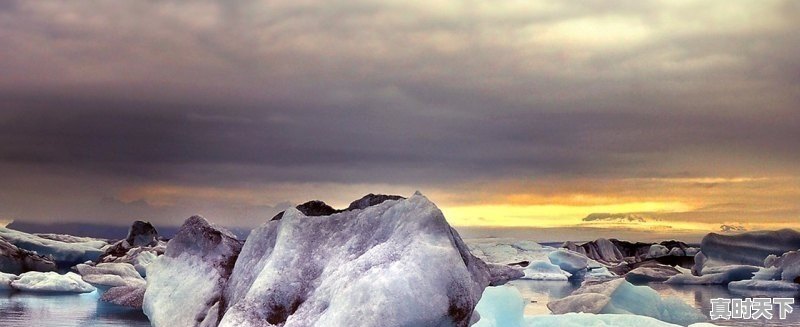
(538, 293)
(25, 309)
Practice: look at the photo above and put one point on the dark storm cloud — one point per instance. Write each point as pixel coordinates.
(212, 93)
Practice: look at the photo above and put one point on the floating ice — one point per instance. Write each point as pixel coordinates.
(5, 281)
(569, 261)
(184, 286)
(651, 273)
(110, 275)
(51, 282)
(506, 252)
(16, 261)
(544, 270)
(715, 275)
(657, 251)
(748, 248)
(64, 254)
(500, 306)
(621, 297)
(599, 320)
(127, 296)
(398, 263)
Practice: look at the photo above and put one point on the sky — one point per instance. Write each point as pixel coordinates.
(504, 113)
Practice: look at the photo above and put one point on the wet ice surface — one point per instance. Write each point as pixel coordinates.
(27, 309)
(538, 293)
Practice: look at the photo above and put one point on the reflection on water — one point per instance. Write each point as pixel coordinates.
(26, 309)
(538, 293)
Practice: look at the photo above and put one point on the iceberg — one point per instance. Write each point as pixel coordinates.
(599, 320)
(106, 275)
(621, 297)
(51, 282)
(501, 306)
(657, 251)
(184, 286)
(397, 263)
(749, 248)
(64, 254)
(570, 261)
(544, 270)
(126, 296)
(16, 261)
(508, 252)
(5, 281)
(715, 275)
(651, 273)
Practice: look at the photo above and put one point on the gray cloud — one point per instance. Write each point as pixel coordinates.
(229, 94)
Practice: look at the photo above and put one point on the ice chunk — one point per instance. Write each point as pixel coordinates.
(5, 281)
(599, 320)
(64, 254)
(501, 306)
(657, 251)
(544, 270)
(185, 284)
(748, 248)
(716, 275)
(651, 273)
(397, 263)
(621, 297)
(600, 272)
(570, 261)
(602, 250)
(107, 275)
(502, 251)
(788, 265)
(501, 274)
(127, 296)
(16, 261)
(51, 282)
(774, 287)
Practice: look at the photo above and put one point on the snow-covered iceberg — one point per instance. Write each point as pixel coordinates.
(64, 254)
(5, 281)
(107, 275)
(397, 263)
(621, 297)
(544, 270)
(184, 286)
(508, 252)
(51, 282)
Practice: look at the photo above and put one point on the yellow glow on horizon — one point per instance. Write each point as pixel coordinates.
(554, 215)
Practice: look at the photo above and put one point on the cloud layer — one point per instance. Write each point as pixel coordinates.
(284, 100)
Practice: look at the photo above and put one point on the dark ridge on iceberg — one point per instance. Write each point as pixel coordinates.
(142, 233)
(14, 260)
(319, 208)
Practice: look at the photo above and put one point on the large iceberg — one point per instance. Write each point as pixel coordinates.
(184, 286)
(397, 263)
(51, 282)
(65, 254)
(747, 248)
(621, 297)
